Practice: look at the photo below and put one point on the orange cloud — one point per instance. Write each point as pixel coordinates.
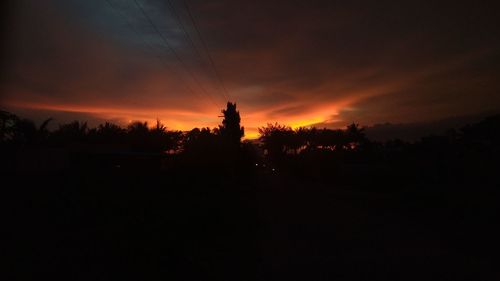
(296, 65)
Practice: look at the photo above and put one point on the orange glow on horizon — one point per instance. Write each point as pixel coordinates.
(206, 116)
(184, 120)
(95, 68)
(313, 111)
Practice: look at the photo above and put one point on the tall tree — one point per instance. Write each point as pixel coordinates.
(276, 140)
(230, 128)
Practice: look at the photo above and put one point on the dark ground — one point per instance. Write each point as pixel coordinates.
(117, 225)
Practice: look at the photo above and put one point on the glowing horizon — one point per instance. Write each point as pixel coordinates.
(298, 65)
(125, 116)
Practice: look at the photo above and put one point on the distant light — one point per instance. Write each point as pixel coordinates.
(274, 170)
(256, 165)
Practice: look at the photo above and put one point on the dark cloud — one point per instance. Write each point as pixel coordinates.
(296, 62)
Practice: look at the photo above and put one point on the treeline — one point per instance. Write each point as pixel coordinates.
(137, 136)
(146, 145)
(470, 153)
(321, 153)
(278, 140)
(275, 139)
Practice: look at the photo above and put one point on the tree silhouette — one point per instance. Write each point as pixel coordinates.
(162, 140)
(20, 130)
(156, 139)
(472, 149)
(138, 128)
(355, 136)
(201, 146)
(276, 140)
(109, 133)
(7, 125)
(69, 133)
(137, 133)
(230, 129)
(199, 138)
(43, 131)
(25, 131)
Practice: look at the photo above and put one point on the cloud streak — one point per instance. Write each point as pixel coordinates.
(300, 63)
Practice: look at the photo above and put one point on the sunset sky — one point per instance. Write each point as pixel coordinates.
(294, 62)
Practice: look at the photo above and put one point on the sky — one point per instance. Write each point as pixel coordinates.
(301, 63)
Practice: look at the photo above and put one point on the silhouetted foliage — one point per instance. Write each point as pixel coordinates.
(355, 136)
(279, 140)
(276, 140)
(198, 204)
(201, 146)
(108, 133)
(21, 131)
(74, 132)
(7, 126)
(230, 128)
(470, 151)
(138, 133)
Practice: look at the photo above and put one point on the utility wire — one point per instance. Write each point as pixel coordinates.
(174, 52)
(196, 49)
(183, 27)
(219, 77)
(150, 47)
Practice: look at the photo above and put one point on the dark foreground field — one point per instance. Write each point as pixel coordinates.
(115, 225)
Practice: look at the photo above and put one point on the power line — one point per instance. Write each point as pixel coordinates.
(188, 36)
(149, 46)
(204, 44)
(173, 51)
